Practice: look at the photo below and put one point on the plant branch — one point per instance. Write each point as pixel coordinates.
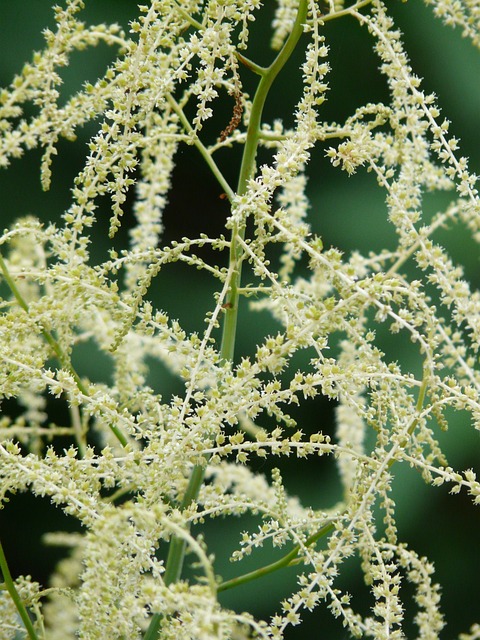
(247, 171)
(347, 11)
(291, 557)
(64, 361)
(202, 148)
(177, 546)
(15, 596)
(192, 22)
(287, 560)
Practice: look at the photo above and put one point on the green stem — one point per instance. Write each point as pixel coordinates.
(176, 551)
(291, 557)
(418, 408)
(288, 559)
(345, 12)
(202, 148)
(253, 66)
(247, 171)
(15, 596)
(64, 361)
(188, 17)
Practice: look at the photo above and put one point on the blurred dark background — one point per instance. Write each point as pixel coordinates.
(347, 212)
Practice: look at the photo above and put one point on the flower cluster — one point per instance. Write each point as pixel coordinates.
(144, 471)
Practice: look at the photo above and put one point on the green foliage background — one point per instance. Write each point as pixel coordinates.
(347, 212)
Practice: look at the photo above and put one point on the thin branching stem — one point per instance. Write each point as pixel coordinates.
(15, 596)
(287, 560)
(64, 361)
(206, 155)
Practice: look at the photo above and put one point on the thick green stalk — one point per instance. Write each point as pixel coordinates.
(177, 547)
(247, 171)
